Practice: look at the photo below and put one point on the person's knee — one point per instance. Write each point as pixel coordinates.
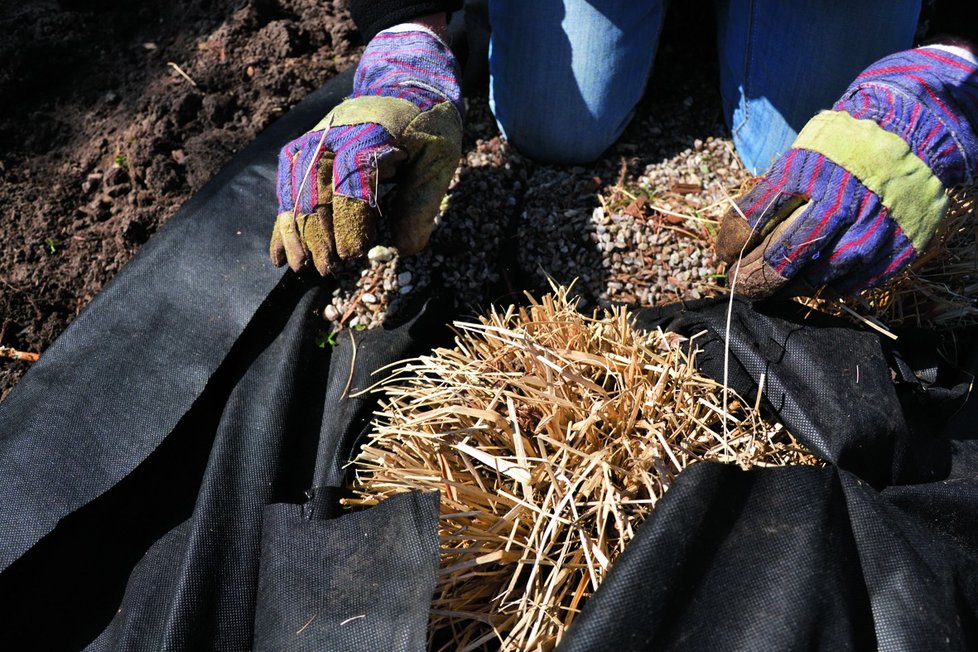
(549, 137)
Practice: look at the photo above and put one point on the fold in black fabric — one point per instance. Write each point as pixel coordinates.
(252, 442)
(789, 559)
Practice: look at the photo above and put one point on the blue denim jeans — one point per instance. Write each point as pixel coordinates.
(565, 77)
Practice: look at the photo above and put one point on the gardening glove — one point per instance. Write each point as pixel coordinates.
(863, 187)
(403, 122)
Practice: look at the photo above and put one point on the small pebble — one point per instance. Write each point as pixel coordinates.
(380, 254)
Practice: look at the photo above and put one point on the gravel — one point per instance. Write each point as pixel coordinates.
(635, 227)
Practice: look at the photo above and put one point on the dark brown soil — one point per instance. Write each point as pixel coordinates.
(102, 138)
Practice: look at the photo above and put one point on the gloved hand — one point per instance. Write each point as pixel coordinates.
(403, 120)
(862, 189)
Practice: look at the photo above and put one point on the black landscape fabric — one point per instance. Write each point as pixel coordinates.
(172, 468)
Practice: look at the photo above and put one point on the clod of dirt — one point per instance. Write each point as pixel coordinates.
(187, 107)
(204, 153)
(217, 109)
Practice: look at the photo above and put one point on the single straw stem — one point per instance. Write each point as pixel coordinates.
(312, 164)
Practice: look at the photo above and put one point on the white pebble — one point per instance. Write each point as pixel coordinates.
(405, 278)
(380, 254)
(367, 297)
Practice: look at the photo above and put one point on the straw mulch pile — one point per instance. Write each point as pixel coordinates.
(938, 291)
(550, 435)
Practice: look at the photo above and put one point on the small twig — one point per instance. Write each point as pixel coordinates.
(21, 291)
(679, 229)
(353, 365)
(694, 218)
(308, 622)
(352, 618)
(760, 391)
(872, 323)
(26, 356)
(378, 275)
(182, 73)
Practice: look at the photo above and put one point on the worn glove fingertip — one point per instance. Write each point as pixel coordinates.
(276, 249)
(323, 266)
(322, 260)
(756, 279)
(317, 236)
(285, 245)
(413, 221)
(733, 235)
(354, 226)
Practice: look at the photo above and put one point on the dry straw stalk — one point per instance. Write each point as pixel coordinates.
(550, 436)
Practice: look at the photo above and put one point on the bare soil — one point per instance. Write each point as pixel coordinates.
(113, 113)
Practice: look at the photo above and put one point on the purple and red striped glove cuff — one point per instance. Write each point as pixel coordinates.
(929, 97)
(406, 62)
(411, 63)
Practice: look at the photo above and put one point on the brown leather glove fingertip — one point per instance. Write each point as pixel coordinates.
(276, 248)
(354, 226)
(733, 235)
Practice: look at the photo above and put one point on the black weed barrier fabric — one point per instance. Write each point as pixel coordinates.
(877, 550)
(171, 472)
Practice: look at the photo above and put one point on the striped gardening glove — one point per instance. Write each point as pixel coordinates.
(863, 187)
(402, 123)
